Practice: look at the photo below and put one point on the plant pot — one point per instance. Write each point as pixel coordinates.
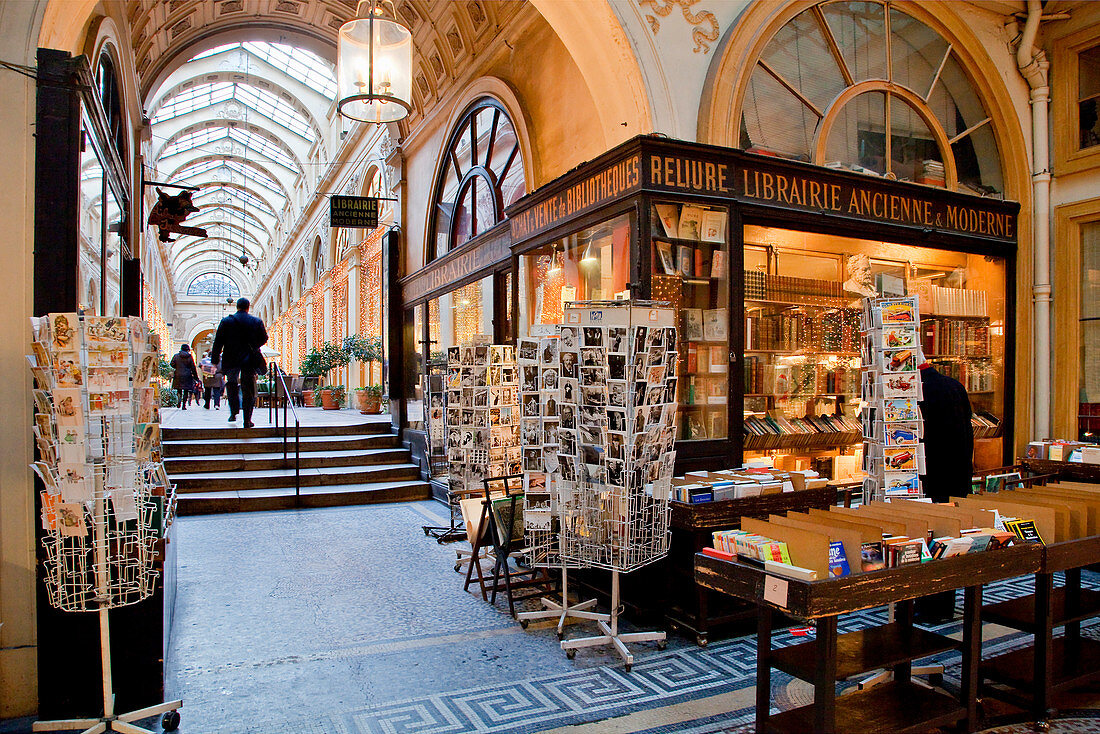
(328, 400)
(368, 404)
(307, 398)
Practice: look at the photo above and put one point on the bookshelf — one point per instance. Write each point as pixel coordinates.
(690, 260)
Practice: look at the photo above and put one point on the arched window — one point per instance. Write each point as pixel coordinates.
(318, 260)
(864, 86)
(482, 173)
(213, 284)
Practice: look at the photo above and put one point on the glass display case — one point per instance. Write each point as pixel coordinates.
(690, 270)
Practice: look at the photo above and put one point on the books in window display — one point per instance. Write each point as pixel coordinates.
(774, 431)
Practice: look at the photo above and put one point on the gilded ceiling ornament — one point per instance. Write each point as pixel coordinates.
(703, 38)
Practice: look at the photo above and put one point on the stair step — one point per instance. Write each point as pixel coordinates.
(282, 498)
(210, 447)
(274, 460)
(188, 482)
(230, 433)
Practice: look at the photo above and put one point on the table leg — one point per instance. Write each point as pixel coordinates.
(825, 676)
(1044, 652)
(763, 666)
(971, 653)
(903, 617)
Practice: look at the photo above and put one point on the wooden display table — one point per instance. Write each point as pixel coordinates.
(1070, 470)
(1035, 673)
(897, 706)
(691, 606)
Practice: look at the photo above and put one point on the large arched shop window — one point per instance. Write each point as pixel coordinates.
(864, 86)
(482, 173)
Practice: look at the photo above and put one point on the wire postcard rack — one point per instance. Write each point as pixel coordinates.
(540, 371)
(106, 499)
(893, 452)
(616, 445)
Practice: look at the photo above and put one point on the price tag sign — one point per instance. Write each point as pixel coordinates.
(775, 591)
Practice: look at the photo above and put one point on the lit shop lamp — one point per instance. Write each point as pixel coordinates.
(555, 264)
(589, 257)
(374, 66)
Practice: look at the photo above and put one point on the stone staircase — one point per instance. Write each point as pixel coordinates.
(238, 470)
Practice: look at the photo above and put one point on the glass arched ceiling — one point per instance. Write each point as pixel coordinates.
(213, 140)
(307, 67)
(237, 122)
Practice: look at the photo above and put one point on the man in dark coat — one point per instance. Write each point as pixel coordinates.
(948, 461)
(238, 339)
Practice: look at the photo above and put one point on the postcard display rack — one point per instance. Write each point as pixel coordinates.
(107, 498)
(616, 446)
(893, 454)
(540, 372)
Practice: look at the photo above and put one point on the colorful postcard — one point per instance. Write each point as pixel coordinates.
(901, 385)
(898, 337)
(69, 406)
(902, 434)
(67, 370)
(903, 458)
(900, 409)
(899, 360)
(898, 311)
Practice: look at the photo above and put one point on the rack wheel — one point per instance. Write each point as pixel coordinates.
(570, 654)
(662, 644)
(701, 640)
(1043, 725)
(561, 635)
(525, 623)
(426, 532)
(170, 721)
(935, 679)
(457, 568)
(628, 667)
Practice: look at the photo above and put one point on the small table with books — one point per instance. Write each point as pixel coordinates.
(900, 705)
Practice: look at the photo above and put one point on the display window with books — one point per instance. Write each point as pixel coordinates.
(803, 294)
(690, 270)
(591, 264)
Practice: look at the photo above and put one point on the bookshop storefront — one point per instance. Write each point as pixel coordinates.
(766, 261)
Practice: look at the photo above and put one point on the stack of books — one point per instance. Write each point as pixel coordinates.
(931, 173)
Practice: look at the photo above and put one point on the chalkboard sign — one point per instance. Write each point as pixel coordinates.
(354, 212)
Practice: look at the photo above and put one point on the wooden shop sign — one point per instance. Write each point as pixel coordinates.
(457, 265)
(353, 212)
(620, 178)
(748, 178)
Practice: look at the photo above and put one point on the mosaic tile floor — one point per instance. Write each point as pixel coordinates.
(348, 621)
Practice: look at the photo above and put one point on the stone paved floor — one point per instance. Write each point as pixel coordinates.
(348, 620)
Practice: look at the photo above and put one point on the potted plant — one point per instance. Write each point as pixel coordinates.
(332, 397)
(321, 361)
(369, 399)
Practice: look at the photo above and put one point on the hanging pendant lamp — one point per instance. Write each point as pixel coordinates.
(374, 67)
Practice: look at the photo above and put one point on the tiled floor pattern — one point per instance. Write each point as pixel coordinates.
(348, 620)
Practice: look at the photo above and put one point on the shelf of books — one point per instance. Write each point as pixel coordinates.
(690, 263)
(801, 367)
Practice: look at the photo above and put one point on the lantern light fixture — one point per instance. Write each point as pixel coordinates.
(374, 65)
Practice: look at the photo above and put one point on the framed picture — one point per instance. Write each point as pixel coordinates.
(664, 254)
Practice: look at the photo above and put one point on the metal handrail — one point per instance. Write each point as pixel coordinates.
(273, 369)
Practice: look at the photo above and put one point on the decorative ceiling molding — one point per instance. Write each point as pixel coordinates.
(703, 38)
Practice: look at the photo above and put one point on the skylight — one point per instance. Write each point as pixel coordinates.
(266, 103)
(248, 171)
(306, 67)
(251, 141)
(227, 193)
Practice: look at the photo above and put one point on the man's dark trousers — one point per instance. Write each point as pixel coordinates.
(241, 387)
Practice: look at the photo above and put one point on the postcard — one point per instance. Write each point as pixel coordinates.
(105, 330)
(67, 370)
(145, 367)
(669, 214)
(693, 324)
(898, 311)
(714, 226)
(690, 225)
(902, 434)
(69, 406)
(897, 337)
(900, 409)
(899, 360)
(715, 324)
(107, 379)
(685, 261)
(902, 458)
(49, 510)
(901, 385)
(70, 519)
(64, 332)
(123, 504)
(664, 255)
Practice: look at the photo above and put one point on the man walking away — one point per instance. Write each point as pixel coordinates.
(237, 353)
